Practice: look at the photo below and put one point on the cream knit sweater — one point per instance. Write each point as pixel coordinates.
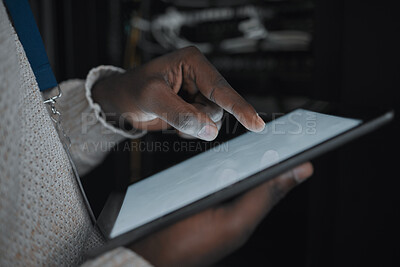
(43, 220)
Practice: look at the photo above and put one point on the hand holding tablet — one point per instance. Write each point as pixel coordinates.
(149, 99)
(204, 238)
(211, 171)
(213, 176)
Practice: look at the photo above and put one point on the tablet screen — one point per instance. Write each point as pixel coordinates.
(224, 165)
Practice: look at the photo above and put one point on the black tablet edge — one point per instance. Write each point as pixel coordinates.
(109, 214)
(243, 185)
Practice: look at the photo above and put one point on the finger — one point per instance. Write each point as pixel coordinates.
(189, 85)
(183, 116)
(152, 125)
(249, 209)
(214, 87)
(223, 94)
(219, 124)
(214, 111)
(186, 136)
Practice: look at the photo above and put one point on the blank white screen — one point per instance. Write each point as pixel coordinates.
(220, 167)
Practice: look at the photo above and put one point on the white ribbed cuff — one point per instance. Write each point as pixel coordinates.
(94, 75)
(119, 257)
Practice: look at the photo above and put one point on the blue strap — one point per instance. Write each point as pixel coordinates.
(29, 36)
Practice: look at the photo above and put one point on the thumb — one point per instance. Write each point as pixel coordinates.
(249, 209)
(279, 187)
(185, 117)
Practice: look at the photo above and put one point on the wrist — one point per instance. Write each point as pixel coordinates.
(108, 95)
(103, 94)
(100, 89)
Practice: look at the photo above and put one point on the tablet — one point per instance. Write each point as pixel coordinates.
(231, 168)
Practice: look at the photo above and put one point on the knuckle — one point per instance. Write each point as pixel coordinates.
(219, 86)
(211, 95)
(185, 121)
(220, 81)
(236, 110)
(192, 50)
(152, 86)
(154, 83)
(190, 54)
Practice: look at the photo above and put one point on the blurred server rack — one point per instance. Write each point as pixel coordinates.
(260, 47)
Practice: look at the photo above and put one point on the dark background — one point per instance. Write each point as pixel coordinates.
(347, 214)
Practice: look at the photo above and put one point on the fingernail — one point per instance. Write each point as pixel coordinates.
(208, 132)
(300, 174)
(260, 122)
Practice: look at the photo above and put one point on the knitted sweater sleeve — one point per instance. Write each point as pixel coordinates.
(92, 137)
(119, 257)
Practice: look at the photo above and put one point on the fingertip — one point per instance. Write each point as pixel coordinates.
(260, 124)
(208, 132)
(303, 172)
(256, 124)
